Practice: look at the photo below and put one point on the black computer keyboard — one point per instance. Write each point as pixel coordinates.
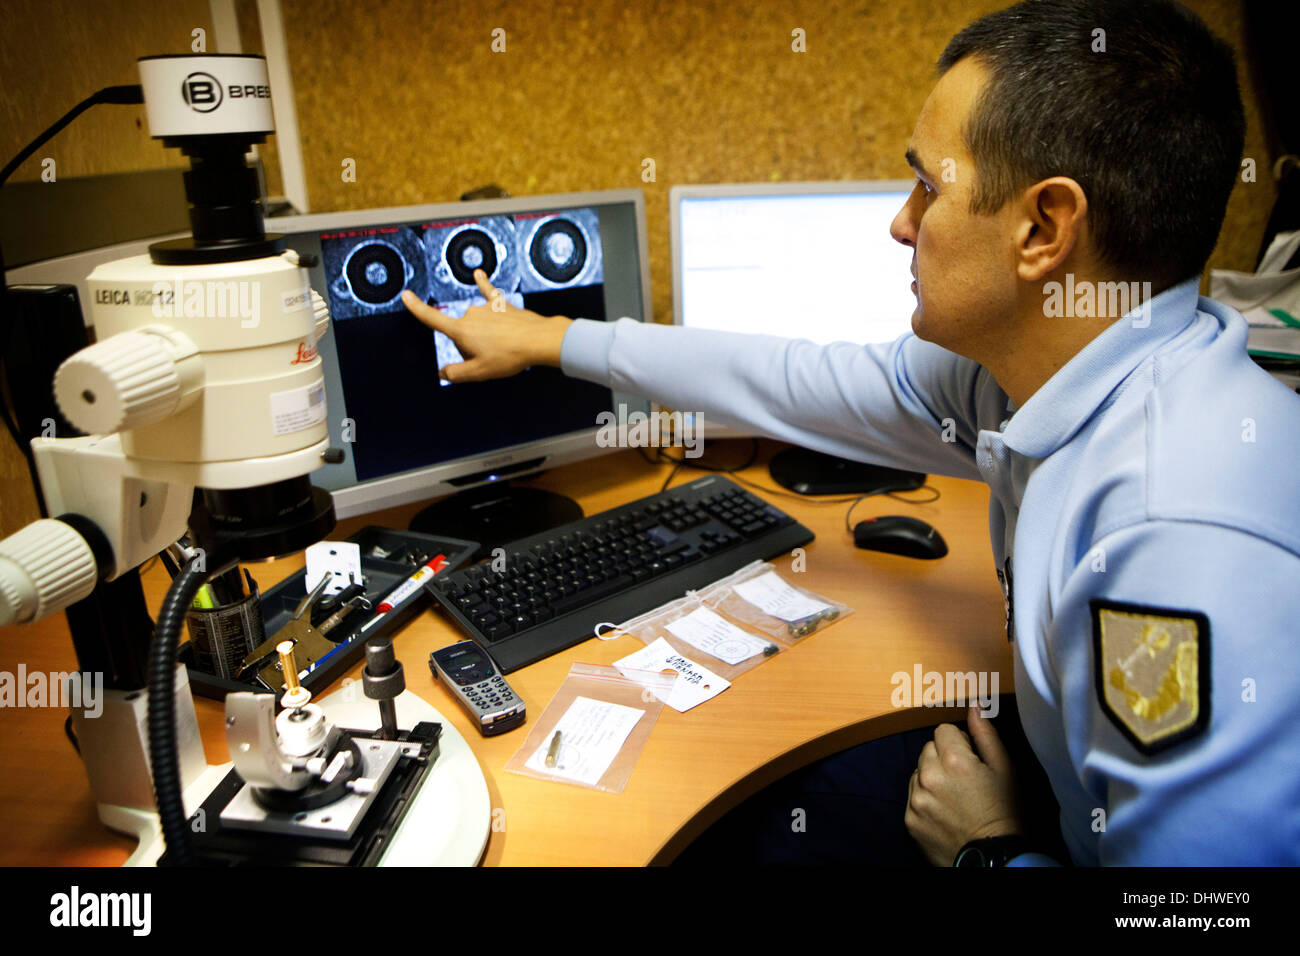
(558, 585)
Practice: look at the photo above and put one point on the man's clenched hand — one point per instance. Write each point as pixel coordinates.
(955, 796)
(496, 339)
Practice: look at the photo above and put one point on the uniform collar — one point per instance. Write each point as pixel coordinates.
(1061, 406)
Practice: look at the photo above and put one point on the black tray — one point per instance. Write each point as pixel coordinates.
(381, 575)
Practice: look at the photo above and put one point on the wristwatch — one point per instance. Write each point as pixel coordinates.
(992, 851)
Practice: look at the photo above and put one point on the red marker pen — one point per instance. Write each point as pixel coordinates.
(400, 594)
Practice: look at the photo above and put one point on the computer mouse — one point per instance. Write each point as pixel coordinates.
(899, 534)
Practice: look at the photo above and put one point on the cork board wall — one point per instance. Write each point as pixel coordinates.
(585, 92)
(55, 53)
(581, 96)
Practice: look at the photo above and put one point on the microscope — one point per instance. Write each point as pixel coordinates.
(203, 404)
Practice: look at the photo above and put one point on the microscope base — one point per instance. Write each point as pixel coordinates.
(447, 822)
(355, 830)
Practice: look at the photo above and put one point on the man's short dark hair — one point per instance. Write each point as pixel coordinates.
(1151, 128)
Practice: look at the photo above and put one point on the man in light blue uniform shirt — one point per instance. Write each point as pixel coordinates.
(1145, 506)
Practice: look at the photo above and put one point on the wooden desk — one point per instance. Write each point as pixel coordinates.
(829, 692)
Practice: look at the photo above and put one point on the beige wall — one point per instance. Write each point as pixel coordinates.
(585, 92)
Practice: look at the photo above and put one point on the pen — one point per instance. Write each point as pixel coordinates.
(203, 599)
(402, 593)
(554, 750)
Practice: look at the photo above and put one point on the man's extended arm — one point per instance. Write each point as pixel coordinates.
(907, 404)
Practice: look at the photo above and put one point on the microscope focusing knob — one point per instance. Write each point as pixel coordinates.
(44, 567)
(320, 314)
(121, 383)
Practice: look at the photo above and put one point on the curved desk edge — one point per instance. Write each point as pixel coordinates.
(859, 732)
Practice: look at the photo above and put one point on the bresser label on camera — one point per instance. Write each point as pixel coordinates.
(204, 95)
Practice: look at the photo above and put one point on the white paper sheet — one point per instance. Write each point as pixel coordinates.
(694, 685)
(591, 734)
(717, 636)
(339, 559)
(771, 594)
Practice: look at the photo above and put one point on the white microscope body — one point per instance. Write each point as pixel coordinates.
(204, 375)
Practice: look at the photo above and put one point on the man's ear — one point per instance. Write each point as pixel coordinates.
(1054, 220)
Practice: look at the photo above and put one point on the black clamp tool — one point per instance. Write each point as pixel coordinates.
(338, 605)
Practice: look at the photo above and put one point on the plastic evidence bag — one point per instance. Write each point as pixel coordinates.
(593, 729)
(698, 632)
(761, 598)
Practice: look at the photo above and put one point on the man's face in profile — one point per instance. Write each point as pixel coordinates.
(963, 263)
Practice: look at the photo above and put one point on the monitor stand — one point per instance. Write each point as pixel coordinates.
(496, 514)
(815, 473)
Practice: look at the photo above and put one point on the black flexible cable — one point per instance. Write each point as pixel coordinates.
(734, 472)
(648, 459)
(163, 758)
(848, 515)
(662, 457)
(934, 495)
(130, 94)
(669, 480)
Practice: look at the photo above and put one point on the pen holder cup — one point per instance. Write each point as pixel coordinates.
(221, 637)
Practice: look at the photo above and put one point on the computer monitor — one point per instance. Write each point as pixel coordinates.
(799, 260)
(770, 258)
(407, 434)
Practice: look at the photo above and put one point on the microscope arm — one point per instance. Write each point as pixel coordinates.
(107, 522)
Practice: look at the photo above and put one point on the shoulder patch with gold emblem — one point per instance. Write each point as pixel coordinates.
(1152, 671)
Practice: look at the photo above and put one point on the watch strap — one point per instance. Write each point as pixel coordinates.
(992, 851)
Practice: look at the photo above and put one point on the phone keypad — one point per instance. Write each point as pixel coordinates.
(490, 694)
